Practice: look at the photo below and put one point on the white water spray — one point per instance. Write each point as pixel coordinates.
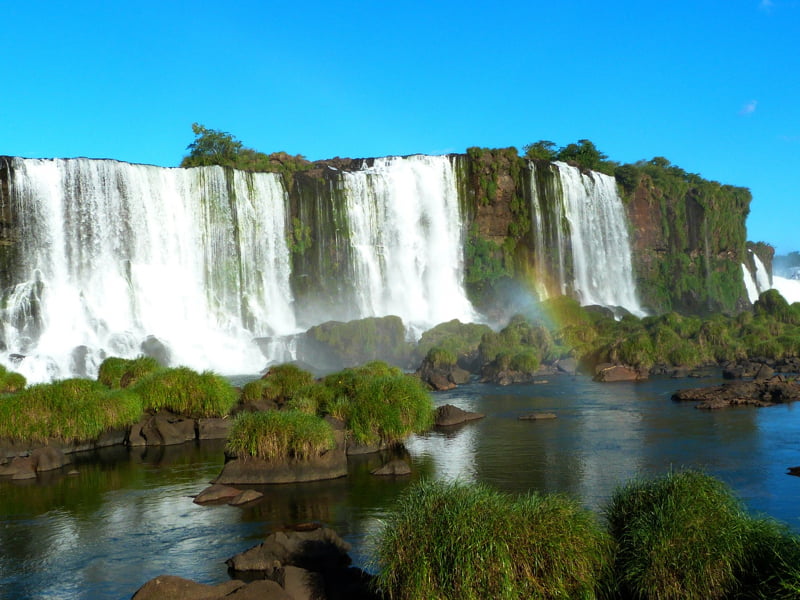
(113, 253)
(406, 233)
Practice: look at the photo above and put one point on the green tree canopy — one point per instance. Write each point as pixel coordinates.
(212, 147)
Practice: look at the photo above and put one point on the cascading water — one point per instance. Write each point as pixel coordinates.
(756, 281)
(581, 238)
(750, 284)
(407, 240)
(601, 252)
(112, 253)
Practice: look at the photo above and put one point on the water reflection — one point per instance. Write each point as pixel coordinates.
(127, 515)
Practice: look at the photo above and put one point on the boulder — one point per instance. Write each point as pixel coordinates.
(170, 587)
(49, 458)
(216, 493)
(764, 372)
(567, 365)
(319, 549)
(394, 467)
(19, 467)
(609, 373)
(742, 393)
(162, 429)
(793, 471)
(302, 584)
(448, 414)
(245, 497)
(538, 417)
(213, 429)
(262, 589)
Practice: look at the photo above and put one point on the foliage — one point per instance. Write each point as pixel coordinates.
(469, 542)
(115, 372)
(214, 147)
(276, 435)
(440, 357)
(460, 339)
(186, 392)
(520, 343)
(583, 154)
(682, 537)
(541, 150)
(70, 410)
(378, 403)
(11, 382)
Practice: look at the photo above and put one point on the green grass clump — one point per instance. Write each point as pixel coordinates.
(469, 542)
(70, 410)
(11, 382)
(682, 536)
(279, 385)
(440, 358)
(186, 392)
(454, 336)
(379, 403)
(116, 372)
(276, 435)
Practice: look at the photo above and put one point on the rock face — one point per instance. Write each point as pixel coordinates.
(394, 467)
(448, 415)
(444, 377)
(742, 393)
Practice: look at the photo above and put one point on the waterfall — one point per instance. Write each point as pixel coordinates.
(581, 238)
(112, 253)
(750, 284)
(761, 275)
(407, 240)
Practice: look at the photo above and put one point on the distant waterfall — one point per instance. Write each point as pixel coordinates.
(758, 281)
(407, 240)
(111, 253)
(581, 237)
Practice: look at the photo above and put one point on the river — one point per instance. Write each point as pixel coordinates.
(117, 518)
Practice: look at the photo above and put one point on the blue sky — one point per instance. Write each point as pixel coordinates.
(714, 86)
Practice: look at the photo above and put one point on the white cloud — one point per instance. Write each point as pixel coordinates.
(749, 108)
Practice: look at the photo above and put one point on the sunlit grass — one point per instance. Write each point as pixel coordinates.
(276, 435)
(186, 392)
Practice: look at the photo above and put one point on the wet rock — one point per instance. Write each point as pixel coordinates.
(155, 348)
(448, 414)
(246, 497)
(538, 417)
(775, 390)
(19, 467)
(263, 589)
(567, 365)
(318, 550)
(609, 373)
(764, 372)
(162, 429)
(394, 467)
(49, 458)
(793, 471)
(216, 493)
(170, 587)
(213, 429)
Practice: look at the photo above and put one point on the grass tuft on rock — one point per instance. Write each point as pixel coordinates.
(276, 435)
(682, 536)
(468, 542)
(186, 392)
(10, 381)
(116, 372)
(70, 410)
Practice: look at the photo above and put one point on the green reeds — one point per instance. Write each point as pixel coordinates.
(116, 372)
(468, 542)
(11, 382)
(186, 392)
(682, 536)
(71, 410)
(276, 435)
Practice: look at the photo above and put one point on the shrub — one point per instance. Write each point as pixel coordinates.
(186, 392)
(276, 435)
(772, 566)
(118, 372)
(453, 336)
(283, 382)
(72, 409)
(10, 381)
(379, 403)
(440, 357)
(463, 541)
(682, 536)
(525, 361)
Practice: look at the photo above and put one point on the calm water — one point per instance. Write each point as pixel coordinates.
(128, 516)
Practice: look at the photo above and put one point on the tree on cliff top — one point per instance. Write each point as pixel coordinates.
(214, 147)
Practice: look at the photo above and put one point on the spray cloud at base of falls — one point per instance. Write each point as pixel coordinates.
(112, 255)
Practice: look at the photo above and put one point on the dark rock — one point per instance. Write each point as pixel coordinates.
(213, 429)
(606, 373)
(319, 550)
(155, 348)
(302, 584)
(356, 449)
(794, 471)
(452, 415)
(254, 471)
(742, 393)
(393, 467)
(764, 372)
(567, 365)
(169, 587)
(263, 589)
(49, 458)
(246, 497)
(216, 493)
(680, 373)
(19, 467)
(166, 429)
(538, 417)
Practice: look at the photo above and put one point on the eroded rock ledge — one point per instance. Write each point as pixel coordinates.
(776, 390)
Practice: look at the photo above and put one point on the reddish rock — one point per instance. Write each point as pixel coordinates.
(618, 373)
(448, 414)
(216, 493)
(170, 587)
